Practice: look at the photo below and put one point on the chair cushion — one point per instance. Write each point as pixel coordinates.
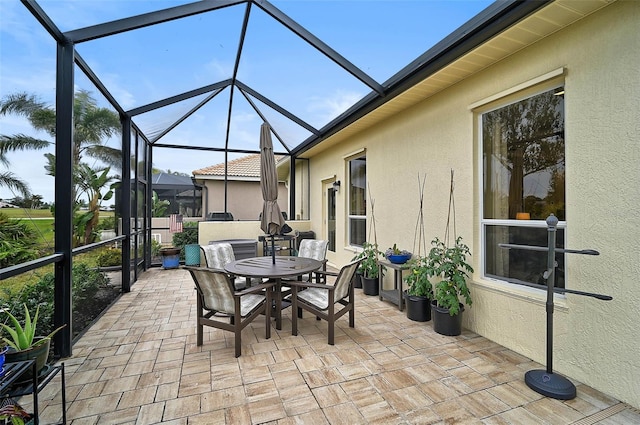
(218, 254)
(250, 302)
(313, 248)
(317, 297)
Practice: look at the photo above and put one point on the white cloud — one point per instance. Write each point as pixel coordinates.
(334, 104)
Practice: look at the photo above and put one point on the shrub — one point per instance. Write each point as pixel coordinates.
(91, 294)
(107, 223)
(18, 242)
(188, 236)
(155, 248)
(109, 257)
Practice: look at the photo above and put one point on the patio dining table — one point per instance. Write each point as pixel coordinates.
(264, 267)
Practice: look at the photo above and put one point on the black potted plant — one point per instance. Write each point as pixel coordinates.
(450, 264)
(419, 291)
(369, 267)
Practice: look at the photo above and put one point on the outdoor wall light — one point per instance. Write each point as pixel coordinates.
(336, 185)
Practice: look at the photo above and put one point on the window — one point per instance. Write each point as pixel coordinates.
(523, 154)
(357, 201)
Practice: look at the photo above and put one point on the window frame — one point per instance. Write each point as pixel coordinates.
(357, 156)
(537, 86)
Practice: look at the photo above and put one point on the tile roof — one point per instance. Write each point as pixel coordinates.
(246, 166)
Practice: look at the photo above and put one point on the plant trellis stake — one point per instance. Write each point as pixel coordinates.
(420, 238)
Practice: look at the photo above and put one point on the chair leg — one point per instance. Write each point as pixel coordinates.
(237, 327)
(330, 323)
(331, 319)
(199, 326)
(267, 313)
(294, 307)
(352, 317)
(299, 312)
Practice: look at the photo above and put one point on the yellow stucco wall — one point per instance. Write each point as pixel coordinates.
(595, 342)
(222, 230)
(244, 198)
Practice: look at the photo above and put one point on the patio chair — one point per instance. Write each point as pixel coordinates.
(321, 299)
(217, 255)
(316, 249)
(220, 306)
(309, 248)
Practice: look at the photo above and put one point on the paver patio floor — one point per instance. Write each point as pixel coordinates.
(139, 364)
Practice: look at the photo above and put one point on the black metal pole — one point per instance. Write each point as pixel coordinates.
(546, 382)
(273, 250)
(552, 222)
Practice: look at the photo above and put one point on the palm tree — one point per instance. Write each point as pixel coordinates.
(91, 183)
(92, 127)
(13, 183)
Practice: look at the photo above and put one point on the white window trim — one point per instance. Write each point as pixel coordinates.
(519, 88)
(348, 158)
(514, 94)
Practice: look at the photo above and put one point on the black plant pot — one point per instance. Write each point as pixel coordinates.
(444, 323)
(357, 280)
(418, 307)
(370, 285)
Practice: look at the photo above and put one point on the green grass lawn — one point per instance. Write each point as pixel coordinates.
(43, 223)
(26, 213)
(41, 220)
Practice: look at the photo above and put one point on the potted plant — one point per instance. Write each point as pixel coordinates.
(419, 291)
(24, 344)
(170, 257)
(450, 264)
(369, 267)
(397, 255)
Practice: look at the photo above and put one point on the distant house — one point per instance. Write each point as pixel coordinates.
(243, 193)
(184, 197)
(7, 205)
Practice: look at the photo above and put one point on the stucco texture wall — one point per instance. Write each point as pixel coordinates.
(595, 342)
(244, 199)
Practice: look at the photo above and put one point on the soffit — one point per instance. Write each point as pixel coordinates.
(546, 21)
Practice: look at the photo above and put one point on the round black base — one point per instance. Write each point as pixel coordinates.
(550, 384)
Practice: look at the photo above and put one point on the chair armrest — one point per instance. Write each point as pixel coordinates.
(257, 288)
(325, 272)
(309, 285)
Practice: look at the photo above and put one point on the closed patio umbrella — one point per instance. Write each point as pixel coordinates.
(272, 220)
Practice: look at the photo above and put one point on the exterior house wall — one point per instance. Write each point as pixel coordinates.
(244, 198)
(595, 342)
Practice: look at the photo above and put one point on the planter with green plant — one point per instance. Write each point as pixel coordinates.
(369, 267)
(419, 291)
(24, 344)
(396, 255)
(453, 269)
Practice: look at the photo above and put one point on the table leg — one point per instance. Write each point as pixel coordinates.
(398, 284)
(278, 301)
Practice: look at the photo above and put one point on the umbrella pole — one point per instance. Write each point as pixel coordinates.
(273, 250)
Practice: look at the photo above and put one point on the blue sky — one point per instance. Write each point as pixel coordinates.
(139, 67)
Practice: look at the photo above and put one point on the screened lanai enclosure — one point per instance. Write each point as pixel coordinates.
(200, 80)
